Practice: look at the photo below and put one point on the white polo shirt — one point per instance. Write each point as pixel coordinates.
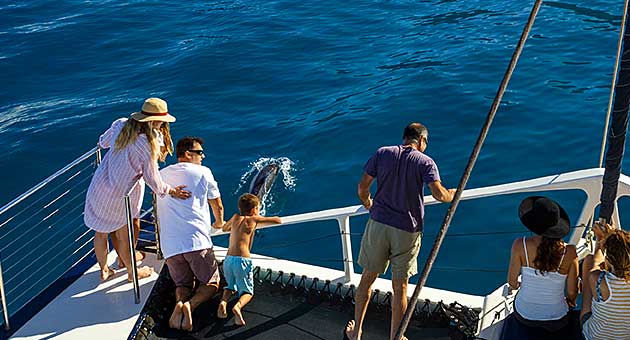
(185, 224)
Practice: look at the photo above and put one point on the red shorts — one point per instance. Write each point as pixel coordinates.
(200, 264)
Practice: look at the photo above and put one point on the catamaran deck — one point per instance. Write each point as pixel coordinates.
(94, 310)
(279, 311)
(89, 309)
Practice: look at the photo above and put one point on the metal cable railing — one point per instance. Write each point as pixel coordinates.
(42, 234)
(58, 242)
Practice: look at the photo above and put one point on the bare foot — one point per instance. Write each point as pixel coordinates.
(143, 272)
(187, 321)
(238, 316)
(106, 274)
(222, 310)
(175, 321)
(351, 332)
(140, 255)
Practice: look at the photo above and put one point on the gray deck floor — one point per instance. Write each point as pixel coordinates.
(284, 318)
(271, 315)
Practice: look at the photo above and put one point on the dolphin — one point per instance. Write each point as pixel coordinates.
(262, 183)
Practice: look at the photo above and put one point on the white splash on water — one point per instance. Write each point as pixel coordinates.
(286, 169)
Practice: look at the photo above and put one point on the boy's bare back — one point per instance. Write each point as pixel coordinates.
(242, 232)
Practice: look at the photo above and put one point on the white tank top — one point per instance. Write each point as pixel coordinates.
(541, 297)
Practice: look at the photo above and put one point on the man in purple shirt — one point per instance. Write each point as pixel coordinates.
(394, 230)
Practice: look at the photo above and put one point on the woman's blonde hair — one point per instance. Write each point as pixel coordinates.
(134, 128)
(617, 247)
(167, 149)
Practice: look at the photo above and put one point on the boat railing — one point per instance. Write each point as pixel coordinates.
(132, 244)
(42, 233)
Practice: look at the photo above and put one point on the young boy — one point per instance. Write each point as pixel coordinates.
(237, 267)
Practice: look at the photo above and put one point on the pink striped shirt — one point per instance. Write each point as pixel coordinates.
(119, 170)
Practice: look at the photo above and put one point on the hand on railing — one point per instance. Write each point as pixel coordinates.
(218, 224)
(367, 204)
(179, 192)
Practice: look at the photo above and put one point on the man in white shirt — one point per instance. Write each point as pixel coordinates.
(185, 231)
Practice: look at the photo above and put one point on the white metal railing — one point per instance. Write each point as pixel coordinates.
(132, 245)
(588, 181)
(24, 242)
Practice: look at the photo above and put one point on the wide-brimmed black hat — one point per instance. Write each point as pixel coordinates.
(544, 216)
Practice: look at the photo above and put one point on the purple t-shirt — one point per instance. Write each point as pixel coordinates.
(400, 172)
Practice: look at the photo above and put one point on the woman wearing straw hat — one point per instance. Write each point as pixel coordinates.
(135, 150)
(547, 265)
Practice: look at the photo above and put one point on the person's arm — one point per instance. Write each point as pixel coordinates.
(217, 211)
(105, 140)
(264, 221)
(601, 231)
(440, 193)
(151, 172)
(515, 264)
(363, 190)
(572, 278)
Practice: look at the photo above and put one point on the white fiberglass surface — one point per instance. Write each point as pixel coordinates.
(89, 309)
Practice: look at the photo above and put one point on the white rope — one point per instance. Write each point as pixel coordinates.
(614, 83)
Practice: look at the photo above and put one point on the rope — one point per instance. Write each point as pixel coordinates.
(469, 167)
(614, 83)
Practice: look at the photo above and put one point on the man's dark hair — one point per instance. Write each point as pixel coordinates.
(185, 144)
(415, 131)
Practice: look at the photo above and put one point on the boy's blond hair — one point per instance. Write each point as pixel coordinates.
(247, 203)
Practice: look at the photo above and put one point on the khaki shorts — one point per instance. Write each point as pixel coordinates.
(382, 244)
(200, 264)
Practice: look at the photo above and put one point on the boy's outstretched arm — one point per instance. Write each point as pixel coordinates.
(264, 221)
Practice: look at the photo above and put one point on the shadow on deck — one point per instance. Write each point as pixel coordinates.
(283, 311)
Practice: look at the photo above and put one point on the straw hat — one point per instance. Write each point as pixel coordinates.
(544, 216)
(153, 109)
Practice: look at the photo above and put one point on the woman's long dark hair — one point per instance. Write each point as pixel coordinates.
(549, 254)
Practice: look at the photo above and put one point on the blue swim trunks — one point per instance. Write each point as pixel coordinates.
(239, 274)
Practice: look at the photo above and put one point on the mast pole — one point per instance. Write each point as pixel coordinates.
(618, 127)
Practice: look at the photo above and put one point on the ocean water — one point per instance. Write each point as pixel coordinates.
(321, 85)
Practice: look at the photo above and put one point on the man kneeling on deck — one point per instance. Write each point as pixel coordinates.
(185, 231)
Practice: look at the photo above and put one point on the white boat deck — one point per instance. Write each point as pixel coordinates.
(89, 309)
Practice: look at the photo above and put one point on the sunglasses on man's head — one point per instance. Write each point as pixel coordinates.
(199, 152)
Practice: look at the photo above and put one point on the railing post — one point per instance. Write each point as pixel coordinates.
(346, 245)
(132, 250)
(160, 256)
(5, 311)
(98, 156)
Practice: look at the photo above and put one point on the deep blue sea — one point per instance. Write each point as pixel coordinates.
(320, 84)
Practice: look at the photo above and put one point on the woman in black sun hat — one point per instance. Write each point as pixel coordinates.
(547, 265)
